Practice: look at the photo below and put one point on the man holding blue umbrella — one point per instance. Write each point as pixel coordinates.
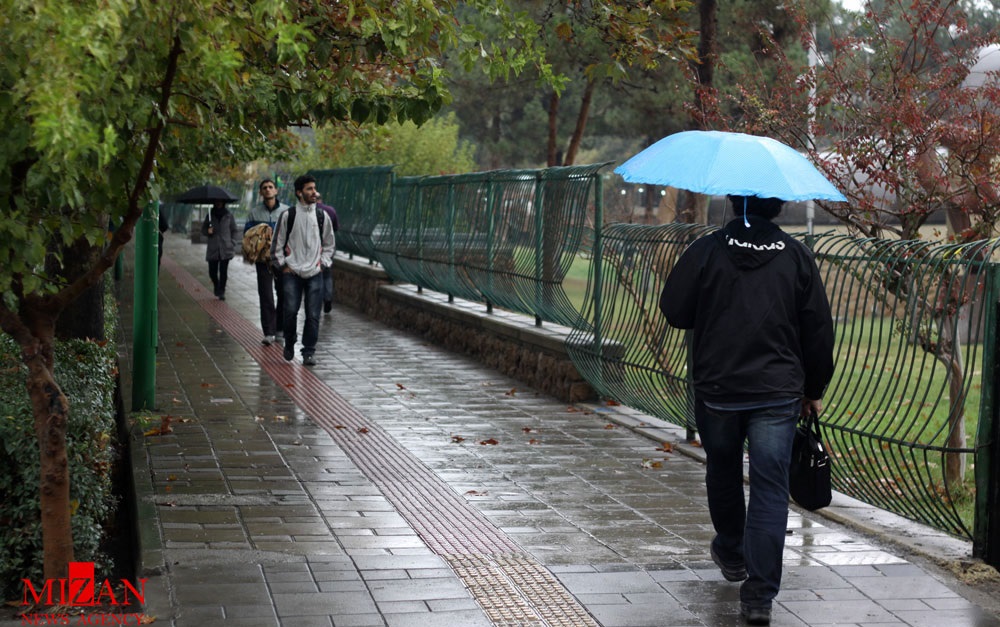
(762, 339)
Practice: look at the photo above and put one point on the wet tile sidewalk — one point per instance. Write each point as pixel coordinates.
(398, 484)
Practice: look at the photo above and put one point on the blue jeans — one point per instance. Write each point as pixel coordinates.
(328, 291)
(294, 287)
(754, 532)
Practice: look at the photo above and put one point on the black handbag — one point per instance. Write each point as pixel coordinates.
(809, 473)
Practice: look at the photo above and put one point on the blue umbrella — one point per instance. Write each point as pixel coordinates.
(721, 163)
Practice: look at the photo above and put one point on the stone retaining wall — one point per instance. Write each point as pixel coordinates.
(509, 342)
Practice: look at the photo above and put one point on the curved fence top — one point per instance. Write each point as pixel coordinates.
(506, 237)
(361, 197)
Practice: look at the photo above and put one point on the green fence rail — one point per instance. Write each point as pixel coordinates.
(910, 413)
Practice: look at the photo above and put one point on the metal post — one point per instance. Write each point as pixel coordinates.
(596, 266)
(539, 246)
(490, 243)
(450, 237)
(144, 316)
(986, 531)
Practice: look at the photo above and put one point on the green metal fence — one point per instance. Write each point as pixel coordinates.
(910, 411)
(506, 237)
(361, 197)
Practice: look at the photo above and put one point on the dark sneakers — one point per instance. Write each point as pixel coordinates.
(732, 572)
(289, 352)
(308, 360)
(755, 614)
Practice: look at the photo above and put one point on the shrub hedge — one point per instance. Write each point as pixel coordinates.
(87, 373)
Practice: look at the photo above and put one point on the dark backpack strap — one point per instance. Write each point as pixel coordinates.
(320, 214)
(288, 223)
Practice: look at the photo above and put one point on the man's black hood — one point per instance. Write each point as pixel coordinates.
(754, 246)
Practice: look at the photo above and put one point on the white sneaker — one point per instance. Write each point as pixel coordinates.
(268, 340)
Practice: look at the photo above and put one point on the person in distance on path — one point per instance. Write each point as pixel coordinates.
(762, 355)
(303, 245)
(268, 279)
(223, 234)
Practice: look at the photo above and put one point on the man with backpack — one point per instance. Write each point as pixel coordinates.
(303, 246)
(257, 234)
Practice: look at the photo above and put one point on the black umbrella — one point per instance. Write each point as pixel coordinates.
(205, 195)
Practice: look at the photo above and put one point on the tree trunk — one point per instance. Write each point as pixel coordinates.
(954, 463)
(581, 123)
(84, 318)
(51, 411)
(704, 68)
(552, 155)
(693, 208)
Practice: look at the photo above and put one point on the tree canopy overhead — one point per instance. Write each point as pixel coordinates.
(104, 101)
(93, 90)
(888, 113)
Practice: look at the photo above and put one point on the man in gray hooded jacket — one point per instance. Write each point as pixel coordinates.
(303, 246)
(762, 355)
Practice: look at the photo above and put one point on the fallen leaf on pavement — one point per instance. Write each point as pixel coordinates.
(457, 438)
(511, 392)
(609, 426)
(163, 429)
(667, 447)
(648, 463)
(491, 441)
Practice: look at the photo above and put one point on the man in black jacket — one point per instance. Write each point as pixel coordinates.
(762, 355)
